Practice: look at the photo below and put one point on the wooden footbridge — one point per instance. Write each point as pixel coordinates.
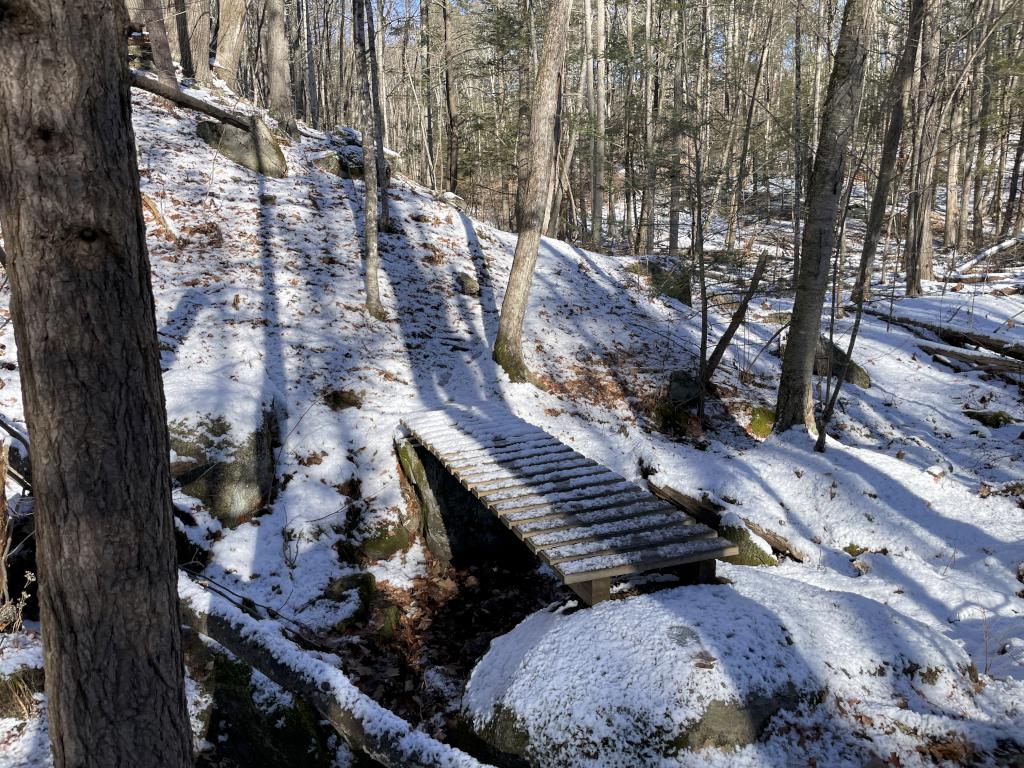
(584, 520)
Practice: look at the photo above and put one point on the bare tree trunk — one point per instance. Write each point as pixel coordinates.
(919, 252)
(311, 78)
(428, 56)
(598, 158)
(798, 142)
(451, 99)
(842, 100)
(274, 49)
(378, 121)
(1015, 178)
(508, 352)
(371, 253)
(199, 30)
(158, 44)
(981, 159)
(953, 171)
(83, 317)
(678, 148)
(899, 93)
(230, 38)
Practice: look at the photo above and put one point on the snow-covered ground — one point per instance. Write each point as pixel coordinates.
(259, 294)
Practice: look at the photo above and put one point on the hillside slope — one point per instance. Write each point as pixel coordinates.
(258, 293)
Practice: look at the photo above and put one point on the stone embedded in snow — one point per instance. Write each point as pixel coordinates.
(467, 284)
(824, 361)
(222, 435)
(256, 150)
(643, 680)
(346, 162)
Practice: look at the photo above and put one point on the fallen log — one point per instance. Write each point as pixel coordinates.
(363, 723)
(955, 336)
(707, 512)
(168, 91)
(1007, 368)
(1005, 245)
(981, 277)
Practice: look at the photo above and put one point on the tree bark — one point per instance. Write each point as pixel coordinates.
(159, 47)
(922, 186)
(83, 317)
(378, 120)
(371, 252)
(1015, 178)
(839, 111)
(274, 49)
(508, 351)
(199, 30)
(597, 158)
(899, 92)
(230, 39)
(451, 99)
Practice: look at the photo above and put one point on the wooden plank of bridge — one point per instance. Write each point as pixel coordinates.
(587, 522)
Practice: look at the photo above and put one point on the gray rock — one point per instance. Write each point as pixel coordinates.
(258, 150)
(855, 374)
(232, 475)
(451, 199)
(346, 162)
(736, 723)
(467, 284)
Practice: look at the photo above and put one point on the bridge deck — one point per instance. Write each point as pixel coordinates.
(587, 522)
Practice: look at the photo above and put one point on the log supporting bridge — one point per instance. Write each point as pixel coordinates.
(586, 522)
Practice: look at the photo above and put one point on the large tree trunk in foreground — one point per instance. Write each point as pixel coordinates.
(90, 372)
(824, 190)
(508, 350)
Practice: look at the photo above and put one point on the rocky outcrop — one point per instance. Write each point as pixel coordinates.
(855, 374)
(223, 435)
(256, 149)
(232, 475)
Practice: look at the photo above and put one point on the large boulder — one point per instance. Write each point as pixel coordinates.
(346, 162)
(645, 680)
(258, 149)
(345, 158)
(222, 436)
(855, 374)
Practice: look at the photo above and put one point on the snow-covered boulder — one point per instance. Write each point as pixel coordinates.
(222, 435)
(639, 681)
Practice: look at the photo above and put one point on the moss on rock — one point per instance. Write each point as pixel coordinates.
(733, 529)
(762, 419)
(385, 541)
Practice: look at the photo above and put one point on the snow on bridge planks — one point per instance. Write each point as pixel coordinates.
(587, 522)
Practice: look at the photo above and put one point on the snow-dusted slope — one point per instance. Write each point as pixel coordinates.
(257, 283)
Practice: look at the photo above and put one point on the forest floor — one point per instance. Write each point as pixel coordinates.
(909, 525)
